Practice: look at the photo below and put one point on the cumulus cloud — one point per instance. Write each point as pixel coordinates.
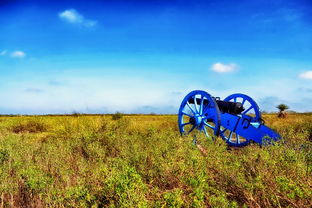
(224, 68)
(2, 53)
(18, 54)
(306, 75)
(74, 17)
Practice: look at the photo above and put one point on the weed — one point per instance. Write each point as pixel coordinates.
(142, 161)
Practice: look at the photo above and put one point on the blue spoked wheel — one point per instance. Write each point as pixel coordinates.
(251, 108)
(251, 112)
(199, 112)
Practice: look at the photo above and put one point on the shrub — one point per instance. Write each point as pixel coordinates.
(125, 188)
(117, 116)
(31, 126)
(34, 180)
(173, 198)
(76, 114)
(4, 156)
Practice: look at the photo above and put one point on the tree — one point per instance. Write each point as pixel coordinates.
(117, 116)
(282, 108)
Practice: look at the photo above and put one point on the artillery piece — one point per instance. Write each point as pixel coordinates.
(236, 119)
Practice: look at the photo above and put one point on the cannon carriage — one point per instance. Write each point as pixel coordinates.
(236, 119)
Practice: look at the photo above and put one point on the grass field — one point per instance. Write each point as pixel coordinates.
(142, 161)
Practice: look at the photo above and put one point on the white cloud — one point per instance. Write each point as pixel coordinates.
(306, 75)
(2, 53)
(74, 17)
(223, 68)
(18, 54)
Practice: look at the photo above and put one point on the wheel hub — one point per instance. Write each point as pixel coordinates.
(196, 120)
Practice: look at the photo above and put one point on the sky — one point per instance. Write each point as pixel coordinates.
(145, 56)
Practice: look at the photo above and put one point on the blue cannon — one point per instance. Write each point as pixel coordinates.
(236, 119)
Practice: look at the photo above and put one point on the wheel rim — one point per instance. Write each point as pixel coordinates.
(252, 112)
(199, 111)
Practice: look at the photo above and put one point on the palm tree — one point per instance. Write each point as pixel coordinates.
(282, 108)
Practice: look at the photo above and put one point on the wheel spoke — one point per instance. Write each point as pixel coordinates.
(207, 124)
(201, 105)
(205, 110)
(190, 108)
(205, 131)
(186, 114)
(230, 136)
(186, 123)
(247, 110)
(237, 139)
(209, 105)
(195, 104)
(243, 101)
(191, 129)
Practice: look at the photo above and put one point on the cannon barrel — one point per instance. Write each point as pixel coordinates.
(230, 107)
(224, 106)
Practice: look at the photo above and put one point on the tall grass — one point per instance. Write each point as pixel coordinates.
(141, 161)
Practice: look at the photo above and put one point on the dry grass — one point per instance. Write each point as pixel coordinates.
(141, 161)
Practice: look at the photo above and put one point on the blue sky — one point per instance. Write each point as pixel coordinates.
(145, 56)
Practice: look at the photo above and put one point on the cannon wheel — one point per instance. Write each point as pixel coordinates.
(199, 111)
(248, 103)
(251, 110)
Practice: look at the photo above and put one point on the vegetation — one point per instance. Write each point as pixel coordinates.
(117, 116)
(282, 108)
(142, 161)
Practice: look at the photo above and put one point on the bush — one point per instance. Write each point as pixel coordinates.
(76, 113)
(125, 188)
(4, 156)
(117, 116)
(31, 126)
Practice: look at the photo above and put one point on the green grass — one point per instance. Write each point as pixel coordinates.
(141, 161)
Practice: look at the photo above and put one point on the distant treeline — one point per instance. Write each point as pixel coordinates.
(83, 114)
(124, 114)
